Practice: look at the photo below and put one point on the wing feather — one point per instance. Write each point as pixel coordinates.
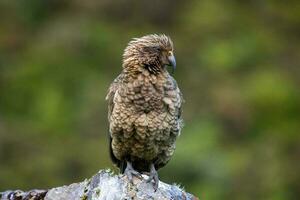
(110, 98)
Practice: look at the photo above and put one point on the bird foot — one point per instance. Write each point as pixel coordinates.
(130, 172)
(153, 175)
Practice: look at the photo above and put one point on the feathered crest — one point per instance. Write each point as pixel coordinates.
(145, 50)
(153, 40)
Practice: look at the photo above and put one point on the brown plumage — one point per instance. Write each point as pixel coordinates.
(144, 108)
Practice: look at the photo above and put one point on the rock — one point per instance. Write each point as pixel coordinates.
(104, 186)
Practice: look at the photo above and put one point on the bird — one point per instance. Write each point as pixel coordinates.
(144, 108)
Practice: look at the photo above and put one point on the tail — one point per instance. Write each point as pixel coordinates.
(121, 164)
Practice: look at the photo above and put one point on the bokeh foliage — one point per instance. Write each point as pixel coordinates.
(238, 68)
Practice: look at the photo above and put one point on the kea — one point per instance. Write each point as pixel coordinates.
(144, 110)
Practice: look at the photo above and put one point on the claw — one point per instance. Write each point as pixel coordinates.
(153, 176)
(130, 172)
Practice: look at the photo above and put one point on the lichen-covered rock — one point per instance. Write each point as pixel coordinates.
(20, 195)
(104, 186)
(73, 191)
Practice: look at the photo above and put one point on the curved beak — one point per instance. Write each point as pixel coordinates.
(172, 61)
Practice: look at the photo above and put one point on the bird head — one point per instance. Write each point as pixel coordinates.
(152, 52)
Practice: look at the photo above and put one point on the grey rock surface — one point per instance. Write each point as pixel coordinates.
(104, 186)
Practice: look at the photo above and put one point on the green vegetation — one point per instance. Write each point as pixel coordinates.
(238, 68)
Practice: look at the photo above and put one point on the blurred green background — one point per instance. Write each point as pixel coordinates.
(238, 68)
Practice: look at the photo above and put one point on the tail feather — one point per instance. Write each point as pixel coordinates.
(121, 164)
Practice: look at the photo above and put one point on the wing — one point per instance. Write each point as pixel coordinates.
(110, 98)
(111, 94)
